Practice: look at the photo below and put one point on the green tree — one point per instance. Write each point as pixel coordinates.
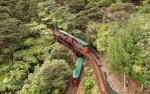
(127, 50)
(77, 5)
(91, 32)
(61, 52)
(51, 77)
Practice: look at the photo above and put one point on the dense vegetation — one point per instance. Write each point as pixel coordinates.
(29, 58)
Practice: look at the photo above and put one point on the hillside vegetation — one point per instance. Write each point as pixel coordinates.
(30, 61)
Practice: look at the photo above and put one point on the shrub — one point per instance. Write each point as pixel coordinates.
(88, 85)
(128, 7)
(77, 5)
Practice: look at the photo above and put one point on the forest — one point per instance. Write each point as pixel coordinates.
(31, 62)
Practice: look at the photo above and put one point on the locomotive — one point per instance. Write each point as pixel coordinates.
(76, 42)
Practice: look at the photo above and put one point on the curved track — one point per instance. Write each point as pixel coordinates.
(97, 70)
(99, 75)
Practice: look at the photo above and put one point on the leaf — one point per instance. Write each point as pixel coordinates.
(6, 80)
(42, 13)
(6, 50)
(28, 41)
(37, 49)
(19, 54)
(4, 87)
(19, 65)
(38, 27)
(5, 68)
(30, 58)
(17, 74)
(2, 57)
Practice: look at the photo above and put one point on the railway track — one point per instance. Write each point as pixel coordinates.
(99, 75)
(91, 56)
(98, 72)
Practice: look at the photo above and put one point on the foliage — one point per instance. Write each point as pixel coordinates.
(51, 77)
(80, 22)
(25, 41)
(104, 32)
(99, 3)
(25, 9)
(91, 32)
(145, 9)
(127, 50)
(77, 5)
(61, 52)
(121, 7)
(88, 84)
(136, 2)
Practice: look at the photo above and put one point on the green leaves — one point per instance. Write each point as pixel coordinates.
(127, 49)
(37, 49)
(56, 73)
(51, 77)
(19, 54)
(61, 52)
(77, 5)
(28, 42)
(88, 84)
(17, 74)
(2, 57)
(5, 84)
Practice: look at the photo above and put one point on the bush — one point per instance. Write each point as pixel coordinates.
(88, 85)
(145, 9)
(80, 22)
(77, 5)
(128, 7)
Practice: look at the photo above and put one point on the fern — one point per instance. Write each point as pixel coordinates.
(38, 27)
(19, 65)
(42, 13)
(37, 49)
(3, 85)
(6, 50)
(44, 41)
(19, 54)
(39, 41)
(5, 69)
(2, 57)
(30, 58)
(28, 42)
(17, 74)
(46, 18)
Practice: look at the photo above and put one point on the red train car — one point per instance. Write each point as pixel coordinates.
(78, 43)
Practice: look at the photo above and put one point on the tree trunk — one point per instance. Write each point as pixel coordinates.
(124, 79)
(141, 88)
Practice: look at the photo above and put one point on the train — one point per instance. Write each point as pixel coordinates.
(77, 72)
(76, 42)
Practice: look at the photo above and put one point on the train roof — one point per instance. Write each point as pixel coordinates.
(77, 39)
(77, 70)
(81, 41)
(66, 33)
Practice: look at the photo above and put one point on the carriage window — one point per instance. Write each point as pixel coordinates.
(84, 45)
(63, 35)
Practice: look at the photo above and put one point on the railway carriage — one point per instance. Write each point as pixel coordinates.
(77, 72)
(78, 43)
(66, 36)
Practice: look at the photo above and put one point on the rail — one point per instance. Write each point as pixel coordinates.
(96, 56)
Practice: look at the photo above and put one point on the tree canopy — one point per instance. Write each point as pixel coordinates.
(30, 61)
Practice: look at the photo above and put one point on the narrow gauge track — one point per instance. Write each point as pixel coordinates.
(97, 70)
